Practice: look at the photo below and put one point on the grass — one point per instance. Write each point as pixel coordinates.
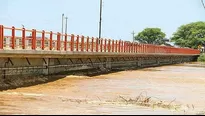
(150, 102)
(141, 100)
(201, 58)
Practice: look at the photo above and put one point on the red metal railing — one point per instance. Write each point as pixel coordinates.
(53, 41)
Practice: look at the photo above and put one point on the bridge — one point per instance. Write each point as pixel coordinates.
(25, 52)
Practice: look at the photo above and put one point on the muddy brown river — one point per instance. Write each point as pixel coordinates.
(182, 84)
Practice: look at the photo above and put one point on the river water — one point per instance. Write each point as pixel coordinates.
(184, 83)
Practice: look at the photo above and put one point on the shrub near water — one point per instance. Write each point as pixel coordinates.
(201, 58)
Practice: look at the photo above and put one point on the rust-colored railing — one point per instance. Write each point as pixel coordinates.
(42, 40)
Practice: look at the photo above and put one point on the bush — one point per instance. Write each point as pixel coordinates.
(201, 58)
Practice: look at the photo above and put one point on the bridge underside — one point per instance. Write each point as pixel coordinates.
(34, 63)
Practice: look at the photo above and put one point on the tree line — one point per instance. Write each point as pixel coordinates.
(190, 35)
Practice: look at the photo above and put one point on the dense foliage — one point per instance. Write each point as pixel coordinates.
(151, 36)
(191, 35)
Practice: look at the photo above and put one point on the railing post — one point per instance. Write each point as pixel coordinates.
(72, 43)
(148, 48)
(43, 40)
(140, 49)
(13, 38)
(134, 48)
(1, 36)
(82, 43)
(129, 47)
(77, 43)
(58, 41)
(34, 39)
(65, 42)
(109, 45)
(116, 46)
(137, 48)
(23, 38)
(92, 49)
(88, 44)
(51, 40)
(145, 50)
(105, 47)
(122, 46)
(125, 45)
(101, 45)
(119, 47)
(113, 45)
(97, 42)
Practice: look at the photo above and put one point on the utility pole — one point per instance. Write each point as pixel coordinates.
(66, 25)
(62, 25)
(133, 35)
(100, 23)
(203, 3)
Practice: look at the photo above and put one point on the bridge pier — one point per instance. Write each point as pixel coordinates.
(108, 63)
(46, 62)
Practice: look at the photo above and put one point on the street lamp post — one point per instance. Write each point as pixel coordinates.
(100, 23)
(133, 35)
(66, 25)
(62, 25)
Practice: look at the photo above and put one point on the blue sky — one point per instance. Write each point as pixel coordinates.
(120, 17)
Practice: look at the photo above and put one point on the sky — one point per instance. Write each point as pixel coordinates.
(119, 19)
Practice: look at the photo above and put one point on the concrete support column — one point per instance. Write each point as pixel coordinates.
(108, 63)
(46, 66)
(181, 59)
(139, 62)
(171, 60)
(158, 61)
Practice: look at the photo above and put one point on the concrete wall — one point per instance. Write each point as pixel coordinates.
(12, 67)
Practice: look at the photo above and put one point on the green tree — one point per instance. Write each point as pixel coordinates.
(190, 35)
(151, 36)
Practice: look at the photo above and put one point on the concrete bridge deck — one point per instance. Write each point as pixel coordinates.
(30, 52)
(69, 54)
